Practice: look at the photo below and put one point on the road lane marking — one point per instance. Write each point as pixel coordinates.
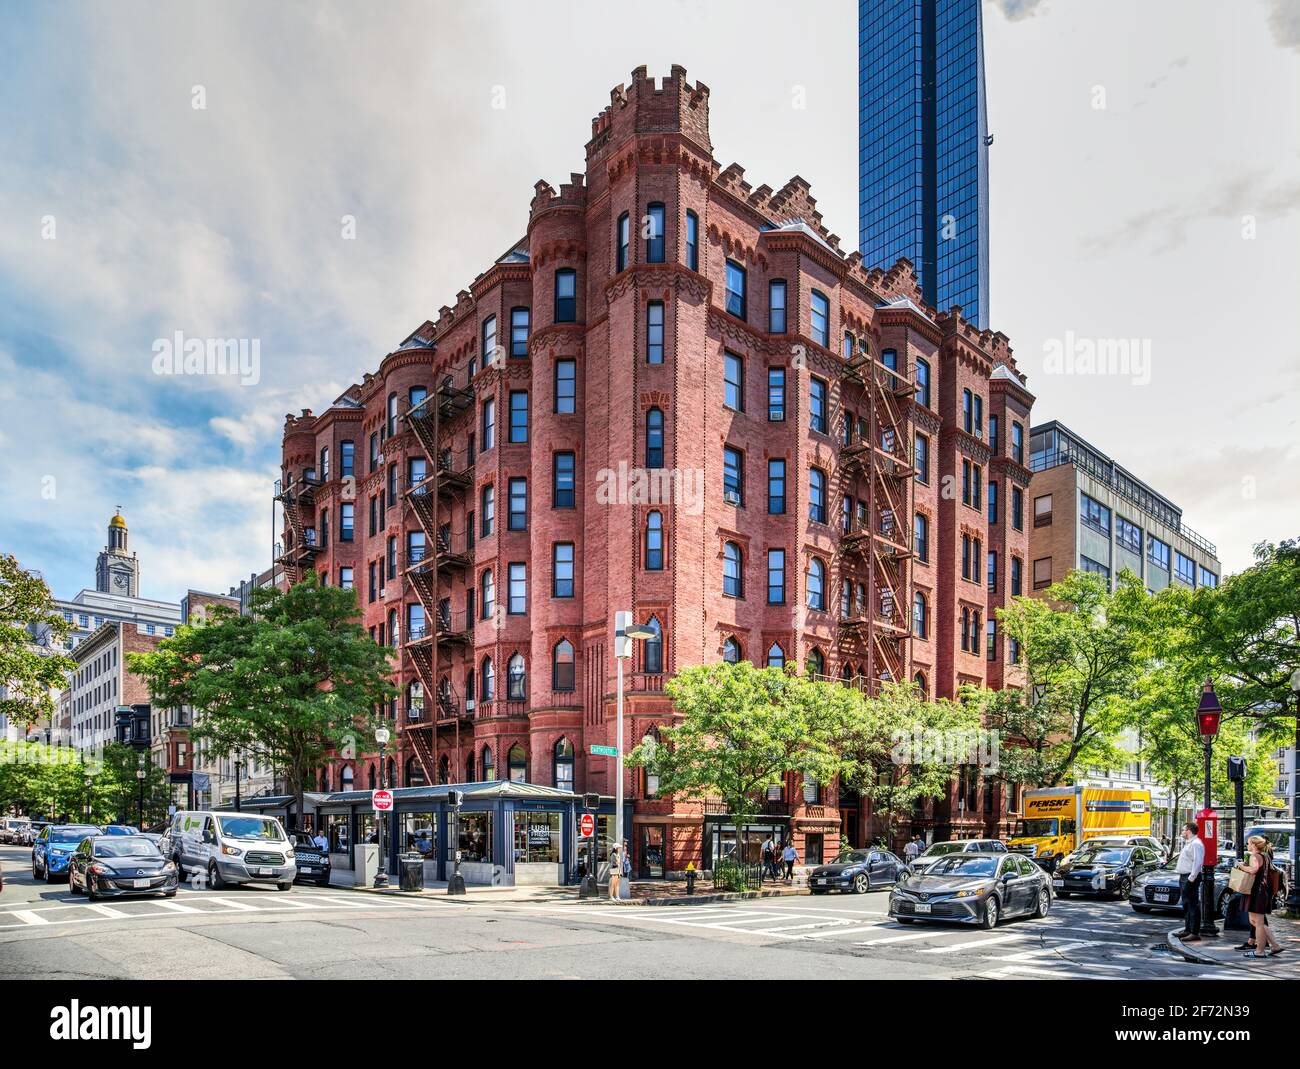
(1026, 955)
(952, 948)
(29, 916)
(899, 938)
(175, 907)
(856, 930)
(105, 911)
(815, 924)
(236, 904)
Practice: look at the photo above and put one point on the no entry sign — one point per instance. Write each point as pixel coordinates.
(587, 825)
(381, 800)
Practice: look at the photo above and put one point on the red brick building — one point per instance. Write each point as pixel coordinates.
(675, 395)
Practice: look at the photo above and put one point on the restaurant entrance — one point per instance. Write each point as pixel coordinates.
(653, 851)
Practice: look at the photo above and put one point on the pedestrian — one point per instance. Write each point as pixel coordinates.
(320, 840)
(769, 857)
(789, 855)
(1259, 863)
(615, 870)
(913, 848)
(1191, 862)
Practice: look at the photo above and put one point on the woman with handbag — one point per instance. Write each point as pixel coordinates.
(1258, 865)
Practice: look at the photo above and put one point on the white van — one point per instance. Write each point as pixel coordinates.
(230, 848)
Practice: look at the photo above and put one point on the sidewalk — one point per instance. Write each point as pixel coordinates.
(643, 893)
(1222, 951)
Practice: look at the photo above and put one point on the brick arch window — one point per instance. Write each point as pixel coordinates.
(487, 595)
(775, 656)
(390, 422)
(488, 686)
(654, 233)
(622, 240)
(654, 541)
(919, 680)
(563, 673)
(650, 741)
(444, 769)
(846, 673)
(654, 438)
(733, 571)
(414, 775)
(489, 769)
(816, 662)
(562, 765)
(731, 651)
(566, 295)
(346, 778)
(652, 650)
(920, 615)
(469, 767)
(816, 583)
(517, 764)
(516, 678)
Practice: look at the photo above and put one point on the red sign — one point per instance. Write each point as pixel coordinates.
(1207, 830)
(587, 825)
(381, 800)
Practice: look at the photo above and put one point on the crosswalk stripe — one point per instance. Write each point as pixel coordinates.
(856, 930)
(896, 939)
(105, 911)
(815, 924)
(235, 904)
(29, 916)
(952, 948)
(177, 907)
(1027, 955)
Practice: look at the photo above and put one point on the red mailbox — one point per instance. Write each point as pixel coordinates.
(1207, 830)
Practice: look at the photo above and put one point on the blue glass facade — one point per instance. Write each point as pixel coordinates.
(922, 146)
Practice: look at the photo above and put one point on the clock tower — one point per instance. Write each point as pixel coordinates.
(117, 571)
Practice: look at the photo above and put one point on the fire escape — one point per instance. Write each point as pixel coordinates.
(430, 569)
(878, 543)
(297, 497)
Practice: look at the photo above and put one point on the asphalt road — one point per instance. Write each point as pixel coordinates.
(317, 933)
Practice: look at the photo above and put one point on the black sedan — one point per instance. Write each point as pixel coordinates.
(313, 862)
(109, 866)
(973, 888)
(1103, 870)
(858, 871)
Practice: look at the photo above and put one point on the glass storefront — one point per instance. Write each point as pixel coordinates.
(475, 842)
(367, 828)
(340, 834)
(419, 834)
(537, 836)
(654, 851)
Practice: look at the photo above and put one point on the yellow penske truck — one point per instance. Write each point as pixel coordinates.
(1057, 820)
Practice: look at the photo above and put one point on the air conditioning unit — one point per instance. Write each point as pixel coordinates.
(469, 705)
(731, 497)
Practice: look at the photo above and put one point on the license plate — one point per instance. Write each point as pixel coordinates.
(307, 869)
(140, 883)
(923, 907)
(266, 872)
(1058, 883)
(1161, 897)
(819, 880)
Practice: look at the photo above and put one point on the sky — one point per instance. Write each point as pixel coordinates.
(319, 179)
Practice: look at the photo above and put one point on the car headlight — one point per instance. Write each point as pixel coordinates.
(232, 851)
(968, 893)
(169, 867)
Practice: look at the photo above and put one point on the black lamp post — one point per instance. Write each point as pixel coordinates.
(238, 765)
(1207, 724)
(381, 877)
(140, 777)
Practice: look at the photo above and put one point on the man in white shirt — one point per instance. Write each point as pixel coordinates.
(1191, 861)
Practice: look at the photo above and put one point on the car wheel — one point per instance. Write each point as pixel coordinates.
(91, 892)
(326, 882)
(1221, 906)
(1141, 909)
(72, 883)
(49, 876)
(1122, 888)
(861, 883)
(284, 886)
(215, 882)
(170, 894)
(1044, 903)
(36, 873)
(990, 919)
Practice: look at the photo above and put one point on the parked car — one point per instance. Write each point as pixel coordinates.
(1229, 857)
(955, 846)
(16, 831)
(109, 866)
(313, 863)
(1159, 890)
(121, 829)
(230, 848)
(858, 871)
(1103, 870)
(1149, 841)
(972, 887)
(54, 848)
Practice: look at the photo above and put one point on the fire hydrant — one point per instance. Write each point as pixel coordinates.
(690, 877)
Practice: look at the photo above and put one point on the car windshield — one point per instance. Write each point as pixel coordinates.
(1280, 838)
(251, 828)
(851, 857)
(121, 829)
(939, 849)
(1036, 827)
(126, 846)
(1115, 855)
(964, 866)
(72, 835)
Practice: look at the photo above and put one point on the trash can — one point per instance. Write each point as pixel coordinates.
(411, 872)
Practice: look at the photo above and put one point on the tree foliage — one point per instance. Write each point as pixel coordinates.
(285, 685)
(29, 675)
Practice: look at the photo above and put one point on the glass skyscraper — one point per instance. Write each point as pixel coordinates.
(923, 146)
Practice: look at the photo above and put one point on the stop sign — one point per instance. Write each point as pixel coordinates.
(381, 800)
(587, 825)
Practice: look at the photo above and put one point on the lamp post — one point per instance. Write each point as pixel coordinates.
(1293, 899)
(140, 777)
(381, 877)
(625, 633)
(1207, 724)
(238, 765)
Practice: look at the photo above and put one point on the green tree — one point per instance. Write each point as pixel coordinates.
(287, 684)
(1083, 650)
(117, 788)
(29, 674)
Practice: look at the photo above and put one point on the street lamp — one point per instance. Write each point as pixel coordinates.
(1293, 900)
(238, 765)
(625, 633)
(381, 877)
(1208, 714)
(140, 777)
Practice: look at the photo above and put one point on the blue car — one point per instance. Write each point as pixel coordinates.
(54, 848)
(121, 829)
